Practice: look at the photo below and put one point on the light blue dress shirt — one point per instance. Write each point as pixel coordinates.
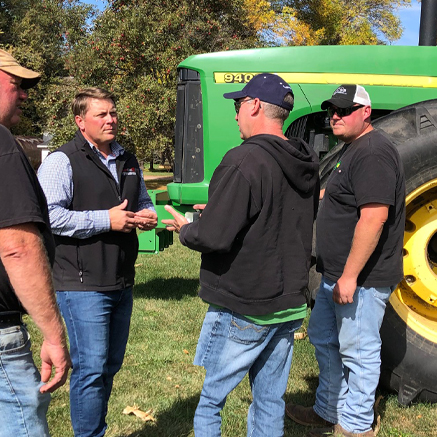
(56, 178)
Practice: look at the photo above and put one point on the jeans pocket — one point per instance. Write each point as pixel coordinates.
(382, 293)
(246, 332)
(13, 339)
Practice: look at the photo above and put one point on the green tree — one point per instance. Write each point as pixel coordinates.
(40, 33)
(134, 50)
(334, 22)
(134, 47)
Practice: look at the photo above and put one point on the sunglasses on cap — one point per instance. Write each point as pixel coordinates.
(342, 112)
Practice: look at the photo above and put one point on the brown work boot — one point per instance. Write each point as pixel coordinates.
(338, 431)
(305, 416)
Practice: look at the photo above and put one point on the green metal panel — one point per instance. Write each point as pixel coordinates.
(154, 241)
(193, 193)
(416, 61)
(394, 76)
(159, 238)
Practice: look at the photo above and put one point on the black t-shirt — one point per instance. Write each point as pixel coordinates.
(22, 201)
(369, 171)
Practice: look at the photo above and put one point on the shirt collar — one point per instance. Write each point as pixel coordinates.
(116, 149)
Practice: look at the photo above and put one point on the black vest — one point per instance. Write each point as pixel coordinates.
(103, 262)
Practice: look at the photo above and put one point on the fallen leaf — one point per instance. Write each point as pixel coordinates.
(145, 416)
(300, 335)
(185, 351)
(168, 378)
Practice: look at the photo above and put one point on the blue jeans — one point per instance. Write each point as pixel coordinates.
(348, 350)
(22, 407)
(229, 347)
(98, 329)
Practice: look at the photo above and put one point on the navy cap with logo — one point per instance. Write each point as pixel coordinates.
(346, 96)
(267, 87)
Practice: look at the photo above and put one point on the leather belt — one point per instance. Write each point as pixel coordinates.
(10, 318)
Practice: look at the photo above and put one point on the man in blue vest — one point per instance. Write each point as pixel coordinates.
(97, 198)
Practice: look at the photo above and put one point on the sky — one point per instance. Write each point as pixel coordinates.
(410, 19)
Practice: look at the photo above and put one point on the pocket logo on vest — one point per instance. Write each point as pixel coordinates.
(129, 172)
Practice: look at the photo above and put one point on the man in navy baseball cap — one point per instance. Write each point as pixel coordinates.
(267, 87)
(264, 191)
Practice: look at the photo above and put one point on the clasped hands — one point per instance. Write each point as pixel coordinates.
(124, 221)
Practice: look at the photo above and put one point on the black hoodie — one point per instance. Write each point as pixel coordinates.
(255, 233)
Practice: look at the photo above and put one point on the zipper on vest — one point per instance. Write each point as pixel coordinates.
(79, 263)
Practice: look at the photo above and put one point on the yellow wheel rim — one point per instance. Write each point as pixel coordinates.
(415, 298)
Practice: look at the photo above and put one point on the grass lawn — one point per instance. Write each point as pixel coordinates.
(158, 171)
(158, 373)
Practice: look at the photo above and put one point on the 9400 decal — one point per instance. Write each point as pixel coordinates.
(233, 77)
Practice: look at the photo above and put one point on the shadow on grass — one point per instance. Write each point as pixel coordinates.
(177, 421)
(382, 404)
(307, 399)
(304, 397)
(167, 288)
(301, 397)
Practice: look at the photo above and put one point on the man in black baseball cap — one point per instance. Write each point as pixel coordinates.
(255, 238)
(360, 229)
(346, 96)
(349, 111)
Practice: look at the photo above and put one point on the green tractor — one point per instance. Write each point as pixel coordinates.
(402, 83)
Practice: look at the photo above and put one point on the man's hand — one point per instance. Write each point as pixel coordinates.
(178, 220)
(200, 206)
(146, 219)
(366, 237)
(321, 194)
(121, 220)
(57, 356)
(22, 251)
(344, 290)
